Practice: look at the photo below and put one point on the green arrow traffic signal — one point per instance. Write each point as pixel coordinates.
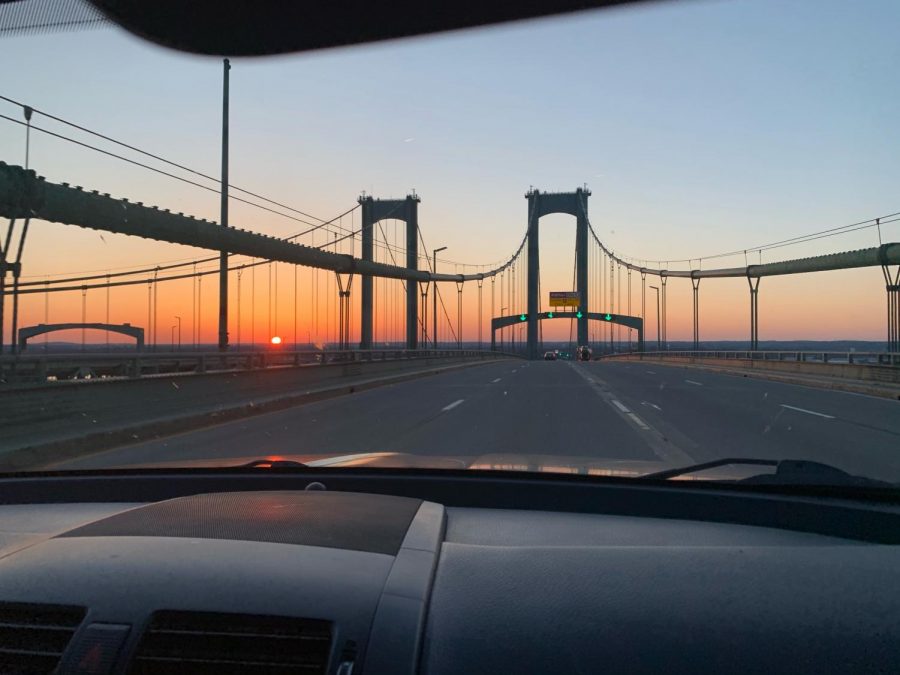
(608, 317)
(549, 315)
(578, 314)
(523, 317)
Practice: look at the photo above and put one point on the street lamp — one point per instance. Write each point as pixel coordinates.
(178, 318)
(173, 338)
(658, 343)
(434, 308)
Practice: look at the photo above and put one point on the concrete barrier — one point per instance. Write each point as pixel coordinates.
(110, 412)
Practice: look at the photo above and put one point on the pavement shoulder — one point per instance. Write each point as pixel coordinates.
(866, 387)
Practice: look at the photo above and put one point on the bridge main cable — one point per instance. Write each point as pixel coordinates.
(23, 193)
(876, 256)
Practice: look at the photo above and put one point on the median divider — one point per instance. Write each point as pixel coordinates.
(44, 425)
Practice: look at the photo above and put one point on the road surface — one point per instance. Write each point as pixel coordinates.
(602, 410)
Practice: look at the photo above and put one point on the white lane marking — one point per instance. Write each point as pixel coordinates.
(452, 405)
(699, 384)
(620, 406)
(651, 372)
(652, 405)
(495, 380)
(808, 412)
(661, 446)
(514, 370)
(637, 420)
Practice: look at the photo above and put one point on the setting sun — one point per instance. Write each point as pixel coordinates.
(276, 340)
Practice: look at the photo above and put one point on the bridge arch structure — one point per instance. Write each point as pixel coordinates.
(28, 332)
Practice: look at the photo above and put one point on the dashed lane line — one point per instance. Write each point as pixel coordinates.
(619, 405)
(808, 412)
(637, 420)
(452, 405)
(661, 446)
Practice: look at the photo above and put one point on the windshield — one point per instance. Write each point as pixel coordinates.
(614, 243)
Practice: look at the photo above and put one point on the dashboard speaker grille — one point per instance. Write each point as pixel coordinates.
(34, 637)
(203, 643)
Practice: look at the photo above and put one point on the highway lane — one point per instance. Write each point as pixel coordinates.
(711, 415)
(603, 410)
(508, 407)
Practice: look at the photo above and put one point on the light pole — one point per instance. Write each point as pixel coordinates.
(424, 290)
(658, 343)
(502, 330)
(173, 338)
(223, 211)
(178, 318)
(434, 299)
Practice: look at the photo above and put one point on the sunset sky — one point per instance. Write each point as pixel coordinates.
(700, 127)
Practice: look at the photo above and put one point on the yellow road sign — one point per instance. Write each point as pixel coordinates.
(564, 299)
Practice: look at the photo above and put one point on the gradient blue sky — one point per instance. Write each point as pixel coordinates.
(700, 127)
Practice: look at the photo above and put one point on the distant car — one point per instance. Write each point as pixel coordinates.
(549, 356)
(584, 353)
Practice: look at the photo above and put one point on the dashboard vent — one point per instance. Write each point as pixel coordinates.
(34, 637)
(206, 642)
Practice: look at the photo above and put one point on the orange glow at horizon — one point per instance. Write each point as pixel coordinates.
(823, 306)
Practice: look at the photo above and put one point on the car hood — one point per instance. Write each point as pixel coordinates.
(543, 463)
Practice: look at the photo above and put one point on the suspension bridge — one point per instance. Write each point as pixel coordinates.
(363, 289)
(25, 196)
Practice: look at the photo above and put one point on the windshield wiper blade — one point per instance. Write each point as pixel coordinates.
(787, 472)
(273, 464)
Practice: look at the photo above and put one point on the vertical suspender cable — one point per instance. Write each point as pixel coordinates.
(149, 309)
(83, 315)
(194, 308)
(107, 312)
(46, 316)
(239, 273)
(155, 308)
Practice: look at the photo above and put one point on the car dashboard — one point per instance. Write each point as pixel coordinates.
(371, 576)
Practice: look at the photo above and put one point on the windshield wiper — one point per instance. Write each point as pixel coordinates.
(787, 472)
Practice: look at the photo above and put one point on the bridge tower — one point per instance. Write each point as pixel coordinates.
(374, 210)
(542, 204)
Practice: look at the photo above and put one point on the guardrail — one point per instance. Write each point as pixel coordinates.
(42, 368)
(890, 359)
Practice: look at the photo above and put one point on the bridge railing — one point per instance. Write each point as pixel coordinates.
(889, 359)
(40, 368)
